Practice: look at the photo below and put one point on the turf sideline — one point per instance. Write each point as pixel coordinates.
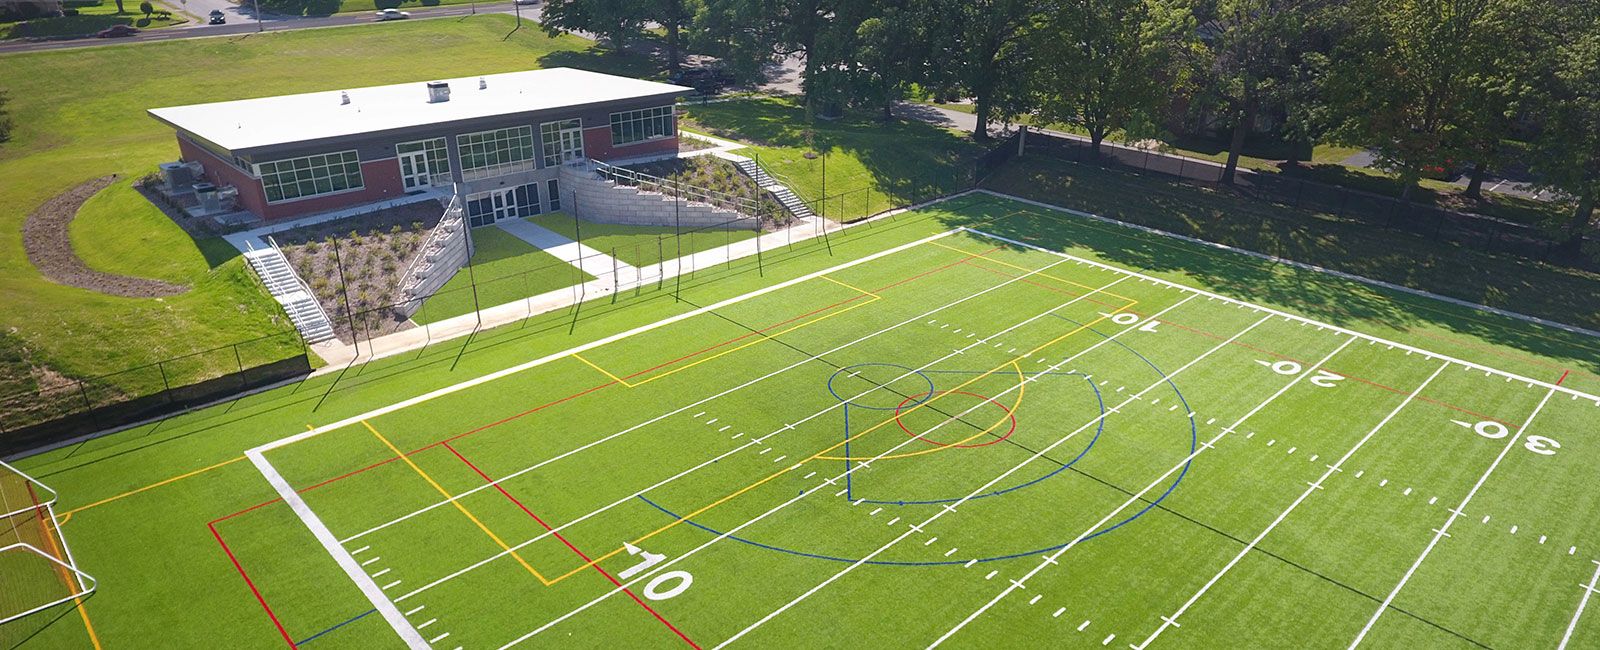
(1576, 394)
(1455, 513)
(482, 379)
(834, 479)
(753, 441)
(369, 588)
(1588, 590)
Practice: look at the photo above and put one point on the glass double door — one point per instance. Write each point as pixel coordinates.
(488, 207)
(414, 170)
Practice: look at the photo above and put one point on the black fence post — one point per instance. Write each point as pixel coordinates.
(165, 385)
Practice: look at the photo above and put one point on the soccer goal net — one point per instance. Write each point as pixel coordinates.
(36, 567)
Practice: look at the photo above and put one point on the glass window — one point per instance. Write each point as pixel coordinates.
(558, 148)
(437, 155)
(297, 178)
(493, 148)
(555, 194)
(629, 127)
(527, 200)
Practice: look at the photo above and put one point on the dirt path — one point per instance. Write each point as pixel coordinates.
(45, 236)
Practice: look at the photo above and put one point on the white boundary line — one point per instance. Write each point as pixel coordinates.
(1302, 319)
(1053, 558)
(834, 480)
(481, 379)
(1454, 514)
(1302, 265)
(691, 405)
(1588, 590)
(353, 569)
(1171, 620)
(752, 442)
(951, 507)
(83, 589)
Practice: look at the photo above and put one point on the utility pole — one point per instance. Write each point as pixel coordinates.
(259, 28)
(518, 7)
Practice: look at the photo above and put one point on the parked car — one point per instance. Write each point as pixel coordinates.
(706, 81)
(116, 31)
(393, 14)
(217, 18)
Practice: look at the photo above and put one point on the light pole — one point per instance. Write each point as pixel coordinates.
(259, 28)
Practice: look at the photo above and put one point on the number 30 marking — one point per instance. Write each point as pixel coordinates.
(1542, 445)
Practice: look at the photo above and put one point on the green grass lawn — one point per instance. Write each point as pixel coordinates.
(1509, 282)
(68, 132)
(640, 245)
(872, 165)
(1222, 424)
(92, 18)
(505, 269)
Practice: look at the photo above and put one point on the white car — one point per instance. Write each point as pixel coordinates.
(393, 14)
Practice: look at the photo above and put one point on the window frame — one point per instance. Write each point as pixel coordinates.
(642, 125)
(311, 176)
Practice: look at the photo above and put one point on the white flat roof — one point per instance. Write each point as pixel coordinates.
(267, 121)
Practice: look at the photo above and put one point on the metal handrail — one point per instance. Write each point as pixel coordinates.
(300, 281)
(453, 211)
(648, 182)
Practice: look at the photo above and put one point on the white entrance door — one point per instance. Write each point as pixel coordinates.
(414, 169)
(571, 144)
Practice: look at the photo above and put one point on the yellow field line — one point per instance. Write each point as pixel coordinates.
(1032, 271)
(850, 287)
(821, 454)
(1021, 389)
(457, 504)
(761, 338)
(68, 514)
(66, 579)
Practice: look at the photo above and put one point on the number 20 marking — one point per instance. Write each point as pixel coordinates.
(1323, 378)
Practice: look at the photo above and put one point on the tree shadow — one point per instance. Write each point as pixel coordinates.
(608, 61)
(1515, 284)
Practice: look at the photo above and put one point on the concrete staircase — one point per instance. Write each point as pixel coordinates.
(291, 292)
(791, 201)
(444, 253)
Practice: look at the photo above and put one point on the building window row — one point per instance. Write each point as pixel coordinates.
(297, 178)
(490, 153)
(433, 151)
(629, 127)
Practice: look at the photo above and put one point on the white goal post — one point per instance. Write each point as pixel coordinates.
(36, 566)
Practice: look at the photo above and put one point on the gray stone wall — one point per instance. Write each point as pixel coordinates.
(595, 199)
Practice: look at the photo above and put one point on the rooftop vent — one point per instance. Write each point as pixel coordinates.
(438, 91)
(483, 84)
(344, 97)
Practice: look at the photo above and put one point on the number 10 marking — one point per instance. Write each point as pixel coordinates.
(652, 589)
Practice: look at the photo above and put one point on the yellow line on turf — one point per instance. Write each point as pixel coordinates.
(872, 298)
(151, 486)
(1022, 387)
(66, 578)
(457, 504)
(823, 454)
(1032, 271)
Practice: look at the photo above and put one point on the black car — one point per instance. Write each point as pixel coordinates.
(706, 81)
(217, 18)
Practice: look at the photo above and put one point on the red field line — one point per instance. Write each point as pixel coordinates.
(574, 549)
(1563, 377)
(248, 582)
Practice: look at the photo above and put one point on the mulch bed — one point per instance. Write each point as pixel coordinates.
(45, 236)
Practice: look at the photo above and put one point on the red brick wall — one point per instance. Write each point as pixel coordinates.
(381, 177)
(597, 145)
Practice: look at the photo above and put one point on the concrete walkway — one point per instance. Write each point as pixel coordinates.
(593, 262)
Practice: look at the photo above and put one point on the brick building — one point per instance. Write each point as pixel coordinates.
(498, 139)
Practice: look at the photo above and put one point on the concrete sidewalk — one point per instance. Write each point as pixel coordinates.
(591, 261)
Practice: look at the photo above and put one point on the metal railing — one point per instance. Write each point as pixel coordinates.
(301, 282)
(668, 187)
(454, 212)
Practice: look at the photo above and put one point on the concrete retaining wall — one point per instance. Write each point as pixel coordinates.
(595, 199)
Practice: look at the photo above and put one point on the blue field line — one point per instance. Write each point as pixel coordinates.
(358, 617)
(1193, 445)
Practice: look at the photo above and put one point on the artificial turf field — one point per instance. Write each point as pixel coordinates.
(952, 438)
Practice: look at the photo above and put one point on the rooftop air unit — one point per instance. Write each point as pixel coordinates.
(438, 91)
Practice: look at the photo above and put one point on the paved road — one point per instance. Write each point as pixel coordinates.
(242, 21)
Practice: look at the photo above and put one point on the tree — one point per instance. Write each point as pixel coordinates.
(886, 52)
(983, 48)
(673, 16)
(1250, 47)
(615, 21)
(1567, 151)
(1403, 73)
(120, 10)
(1108, 65)
(756, 32)
(146, 8)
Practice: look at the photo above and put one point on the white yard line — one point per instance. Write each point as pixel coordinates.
(1170, 621)
(949, 508)
(1301, 319)
(701, 402)
(1454, 514)
(482, 379)
(754, 441)
(1588, 590)
(1053, 558)
(785, 504)
(329, 543)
